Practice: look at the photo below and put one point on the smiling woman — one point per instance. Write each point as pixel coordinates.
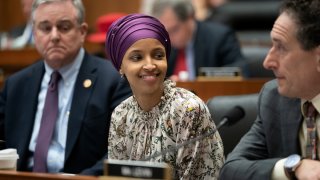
(158, 115)
(145, 65)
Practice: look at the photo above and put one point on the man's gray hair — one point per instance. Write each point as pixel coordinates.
(76, 3)
(183, 9)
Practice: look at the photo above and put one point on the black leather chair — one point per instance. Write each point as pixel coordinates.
(248, 15)
(252, 20)
(220, 105)
(255, 56)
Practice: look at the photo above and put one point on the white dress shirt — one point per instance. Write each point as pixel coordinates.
(56, 152)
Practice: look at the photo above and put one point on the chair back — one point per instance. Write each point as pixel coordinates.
(255, 56)
(220, 105)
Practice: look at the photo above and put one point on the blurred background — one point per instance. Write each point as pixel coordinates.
(251, 21)
(11, 14)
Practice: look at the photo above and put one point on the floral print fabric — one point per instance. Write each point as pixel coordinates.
(179, 117)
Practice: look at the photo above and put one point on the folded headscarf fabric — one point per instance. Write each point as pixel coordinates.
(127, 30)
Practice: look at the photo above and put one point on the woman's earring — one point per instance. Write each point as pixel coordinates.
(121, 73)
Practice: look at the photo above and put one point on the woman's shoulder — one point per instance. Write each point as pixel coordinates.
(184, 95)
(179, 94)
(124, 105)
(184, 103)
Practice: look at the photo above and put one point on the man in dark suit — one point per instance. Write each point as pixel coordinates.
(283, 143)
(88, 91)
(196, 44)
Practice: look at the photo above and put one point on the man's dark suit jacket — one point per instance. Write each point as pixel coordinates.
(89, 118)
(214, 45)
(273, 136)
(16, 31)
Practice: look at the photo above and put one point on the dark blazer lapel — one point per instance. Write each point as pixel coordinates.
(31, 85)
(290, 122)
(79, 102)
(199, 48)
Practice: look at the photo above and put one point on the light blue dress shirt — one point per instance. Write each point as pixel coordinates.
(56, 153)
(190, 62)
(190, 57)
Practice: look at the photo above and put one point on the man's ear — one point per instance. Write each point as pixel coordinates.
(83, 31)
(84, 28)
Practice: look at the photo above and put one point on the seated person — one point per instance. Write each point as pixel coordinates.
(158, 115)
(62, 125)
(196, 44)
(283, 143)
(204, 9)
(102, 25)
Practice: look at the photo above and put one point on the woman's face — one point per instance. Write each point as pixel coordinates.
(145, 65)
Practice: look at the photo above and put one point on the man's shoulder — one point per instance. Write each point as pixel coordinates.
(213, 27)
(100, 63)
(27, 71)
(98, 59)
(270, 93)
(270, 88)
(213, 32)
(272, 84)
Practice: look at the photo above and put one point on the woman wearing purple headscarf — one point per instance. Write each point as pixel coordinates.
(159, 115)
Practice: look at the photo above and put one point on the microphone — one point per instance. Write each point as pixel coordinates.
(231, 117)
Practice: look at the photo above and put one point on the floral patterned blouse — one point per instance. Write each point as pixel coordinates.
(180, 116)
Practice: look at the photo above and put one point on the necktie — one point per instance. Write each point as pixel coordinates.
(311, 145)
(48, 121)
(181, 64)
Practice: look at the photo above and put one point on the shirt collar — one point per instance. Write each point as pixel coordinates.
(68, 70)
(315, 101)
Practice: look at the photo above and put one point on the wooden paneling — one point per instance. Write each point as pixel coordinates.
(14, 60)
(96, 8)
(13, 175)
(208, 89)
(2, 19)
(11, 12)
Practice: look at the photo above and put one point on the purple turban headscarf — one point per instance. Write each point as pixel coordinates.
(127, 30)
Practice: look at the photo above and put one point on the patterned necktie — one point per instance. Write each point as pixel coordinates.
(311, 145)
(48, 121)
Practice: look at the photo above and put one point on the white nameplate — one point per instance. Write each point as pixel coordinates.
(137, 169)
